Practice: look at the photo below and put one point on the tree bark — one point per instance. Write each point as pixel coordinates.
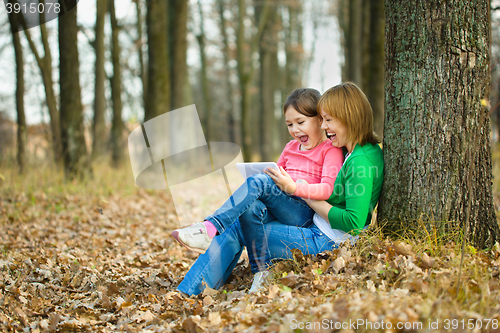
(117, 142)
(177, 22)
(21, 118)
(99, 126)
(158, 90)
(437, 127)
(72, 129)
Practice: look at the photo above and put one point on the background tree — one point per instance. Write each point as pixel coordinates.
(178, 44)
(72, 129)
(436, 136)
(158, 86)
(245, 50)
(99, 132)
(117, 126)
(269, 139)
(21, 118)
(207, 99)
(46, 70)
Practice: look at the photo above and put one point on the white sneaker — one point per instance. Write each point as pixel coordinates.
(194, 237)
(260, 281)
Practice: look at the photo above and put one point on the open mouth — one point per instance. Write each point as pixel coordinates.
(304, 138)
(331, 135)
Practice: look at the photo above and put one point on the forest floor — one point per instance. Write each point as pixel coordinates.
(97, 256)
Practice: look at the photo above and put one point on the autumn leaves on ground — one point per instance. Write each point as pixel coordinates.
(96, 255)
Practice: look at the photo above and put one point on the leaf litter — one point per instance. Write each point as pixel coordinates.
(66, 265)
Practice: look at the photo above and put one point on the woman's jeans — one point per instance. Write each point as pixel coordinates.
(214, 266)
(255, 203)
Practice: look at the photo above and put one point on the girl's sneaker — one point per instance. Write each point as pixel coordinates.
(194, 237)
(260, 281)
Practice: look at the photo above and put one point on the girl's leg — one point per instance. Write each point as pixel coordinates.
(214, 267)
(290, 209)
(254, 233)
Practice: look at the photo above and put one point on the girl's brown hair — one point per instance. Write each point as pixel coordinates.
(349, 105)
(304, 100)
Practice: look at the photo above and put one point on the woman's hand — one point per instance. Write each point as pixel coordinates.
(282, 179)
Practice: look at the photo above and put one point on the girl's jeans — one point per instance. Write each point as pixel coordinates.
(257, 202)
(214, 266)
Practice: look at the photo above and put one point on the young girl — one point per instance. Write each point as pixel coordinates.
(276, 195)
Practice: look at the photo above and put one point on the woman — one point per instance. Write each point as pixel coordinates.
(348, 120)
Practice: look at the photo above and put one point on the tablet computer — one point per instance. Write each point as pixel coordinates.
(250, 169)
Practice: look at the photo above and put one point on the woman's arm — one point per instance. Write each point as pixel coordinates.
(320, 207)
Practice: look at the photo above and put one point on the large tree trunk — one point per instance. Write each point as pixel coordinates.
(117, 142)
(177, 31)
(72, 130)
(21, 119)
(158, 87)
(45, 65)
(99, 126)
(436, 137)
(227, 74)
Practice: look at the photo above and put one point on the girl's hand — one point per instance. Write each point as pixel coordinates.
(282, 179)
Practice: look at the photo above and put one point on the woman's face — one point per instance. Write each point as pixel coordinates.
(306, 130)
(336, 131)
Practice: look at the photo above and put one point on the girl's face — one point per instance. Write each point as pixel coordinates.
(306, 130)
(336, 131)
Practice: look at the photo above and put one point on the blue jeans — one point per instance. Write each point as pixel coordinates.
(257, 202)
(214, 266)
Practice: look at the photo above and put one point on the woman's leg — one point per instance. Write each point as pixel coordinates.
(290, 209)
(214, 267)
(281, 239)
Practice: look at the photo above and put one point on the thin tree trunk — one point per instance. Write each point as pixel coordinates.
(46, 70)
(269, 74)
(158, 90)
(436, 137)
(72, 129)
(204, 79)
(227, 71)
(99, 126)
(177, 22)
(354, 42)
(374, 87)
(139, 42)
(294, 57)
(21, 119)
(246, 71)
(117, 142)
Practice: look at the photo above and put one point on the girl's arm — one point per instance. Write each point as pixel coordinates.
(332, 163)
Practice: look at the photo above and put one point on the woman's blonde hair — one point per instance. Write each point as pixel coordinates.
(349, 105)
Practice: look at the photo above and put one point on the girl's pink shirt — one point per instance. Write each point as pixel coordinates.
(318, 166)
